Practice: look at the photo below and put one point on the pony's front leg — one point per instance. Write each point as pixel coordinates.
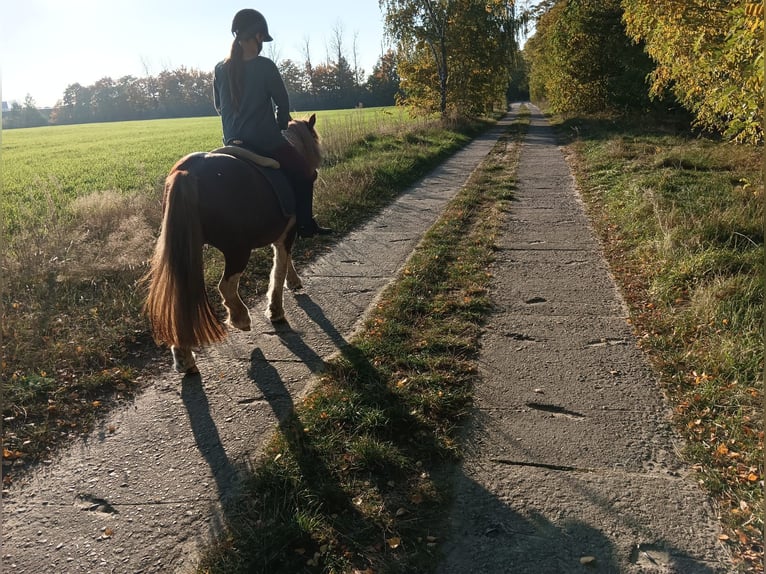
(275, 310)
(293, 280)
(237, 314)
(183, 360)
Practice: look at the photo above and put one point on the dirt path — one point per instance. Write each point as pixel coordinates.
(570, 456)
(141, 493)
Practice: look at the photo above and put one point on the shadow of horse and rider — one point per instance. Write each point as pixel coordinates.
(502, 539)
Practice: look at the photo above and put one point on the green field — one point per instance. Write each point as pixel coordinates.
(44, 169)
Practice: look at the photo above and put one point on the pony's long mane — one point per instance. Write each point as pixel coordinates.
(302, 135)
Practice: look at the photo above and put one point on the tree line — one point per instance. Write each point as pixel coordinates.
(189, 93)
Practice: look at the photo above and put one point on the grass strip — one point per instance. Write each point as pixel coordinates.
(357, 477)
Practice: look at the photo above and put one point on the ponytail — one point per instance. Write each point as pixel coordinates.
(236, 72)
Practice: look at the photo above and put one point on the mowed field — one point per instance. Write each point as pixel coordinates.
(44, 169)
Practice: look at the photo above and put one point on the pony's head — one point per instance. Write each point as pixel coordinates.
(304, 137)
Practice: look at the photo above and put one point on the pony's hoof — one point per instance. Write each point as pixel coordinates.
(191, 371)
(295, 287)
(240, 321)
(241, 326)
(183, 361)
(276, 317)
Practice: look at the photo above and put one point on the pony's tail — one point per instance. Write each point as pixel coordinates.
(177, 305)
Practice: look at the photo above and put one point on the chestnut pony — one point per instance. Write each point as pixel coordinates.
(224, 201)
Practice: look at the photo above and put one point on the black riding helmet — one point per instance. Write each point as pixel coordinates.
(247, 23)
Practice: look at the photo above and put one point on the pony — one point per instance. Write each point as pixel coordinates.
(219, 198)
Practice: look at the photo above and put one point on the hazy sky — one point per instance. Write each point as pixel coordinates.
(46, 45)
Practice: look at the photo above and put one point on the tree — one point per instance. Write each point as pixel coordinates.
(417, 25)
(709, 55)
(104, 100)
(453, 54)
(74, 107)
(294, 77)
(383, 84)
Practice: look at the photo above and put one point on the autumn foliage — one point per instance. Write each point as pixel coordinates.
(455, 56)
(706, 55)
(582, 61)
(709, 55)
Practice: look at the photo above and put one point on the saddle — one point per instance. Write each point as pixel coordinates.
(269, 168)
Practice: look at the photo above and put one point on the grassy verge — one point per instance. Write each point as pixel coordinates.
(356, 478)
(74, 341)
(681, 220)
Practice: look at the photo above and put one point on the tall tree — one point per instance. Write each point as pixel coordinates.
(383, 83)
(75, 105)
(453, 53)
(418, 24)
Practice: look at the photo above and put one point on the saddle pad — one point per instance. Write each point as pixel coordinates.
(244, 153)
(269, 168)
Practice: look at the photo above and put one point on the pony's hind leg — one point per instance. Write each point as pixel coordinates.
(275, 310)
(183, 360)
(237, 313)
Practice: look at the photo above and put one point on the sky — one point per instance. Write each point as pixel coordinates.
(47, 45)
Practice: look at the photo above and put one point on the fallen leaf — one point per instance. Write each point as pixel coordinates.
(587, 560)
(393, 543)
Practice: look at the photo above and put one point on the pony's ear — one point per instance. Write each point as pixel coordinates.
(312, 120)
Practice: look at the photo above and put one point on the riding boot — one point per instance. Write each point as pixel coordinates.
(304, 209)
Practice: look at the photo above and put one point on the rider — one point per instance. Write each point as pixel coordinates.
(248, 87)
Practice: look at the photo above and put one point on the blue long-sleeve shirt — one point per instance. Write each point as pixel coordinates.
(263, 92)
